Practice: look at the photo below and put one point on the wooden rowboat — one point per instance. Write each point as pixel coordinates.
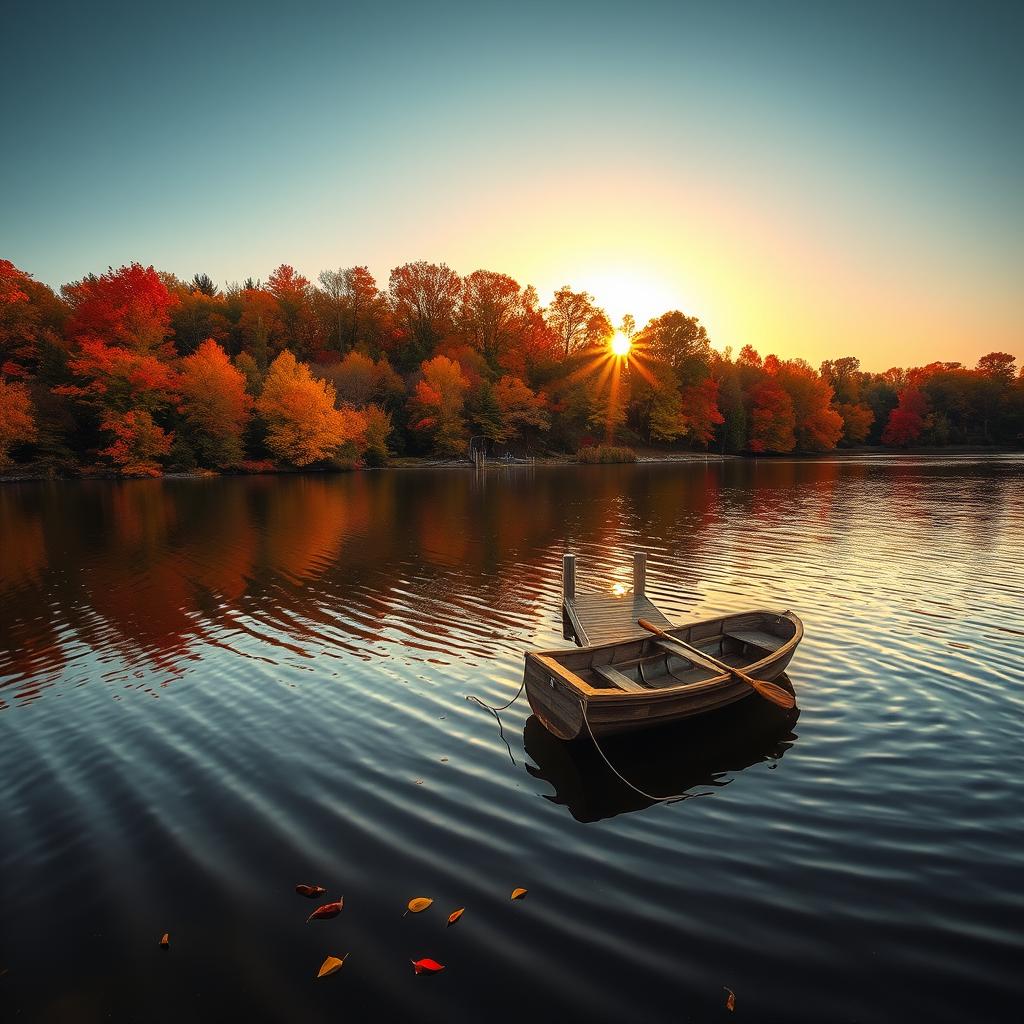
(645, 681)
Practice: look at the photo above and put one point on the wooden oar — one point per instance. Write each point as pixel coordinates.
(770, 691)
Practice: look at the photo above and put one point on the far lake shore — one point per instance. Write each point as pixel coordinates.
(643, 457)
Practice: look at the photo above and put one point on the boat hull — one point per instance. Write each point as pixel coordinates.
(560, 698)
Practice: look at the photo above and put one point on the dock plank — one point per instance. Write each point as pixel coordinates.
(600, 618)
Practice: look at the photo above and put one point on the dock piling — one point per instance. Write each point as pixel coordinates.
(639, 573)
(568, 578)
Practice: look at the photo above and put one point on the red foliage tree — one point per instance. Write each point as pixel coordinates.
(700, 408)
(130, 307)
(772, 420)
(909, 420)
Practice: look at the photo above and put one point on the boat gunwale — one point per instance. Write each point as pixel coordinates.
(607, 694)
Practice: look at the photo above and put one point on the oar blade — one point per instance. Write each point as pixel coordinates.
(776, 694)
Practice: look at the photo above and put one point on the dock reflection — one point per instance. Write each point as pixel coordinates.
(689, 757)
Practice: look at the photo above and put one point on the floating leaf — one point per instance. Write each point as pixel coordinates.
(327, 910)
(426, 966)
(310, 891)
(165, 940)
(330, 965)
(455, 915)
(730, 999)
(418, 905)
(518, 894)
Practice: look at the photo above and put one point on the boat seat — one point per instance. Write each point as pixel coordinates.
(619, 679)
(757, 638)
(694, 658)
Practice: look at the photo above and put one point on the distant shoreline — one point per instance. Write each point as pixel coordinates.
(644, 457)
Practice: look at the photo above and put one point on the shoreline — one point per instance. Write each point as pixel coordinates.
(644, 457)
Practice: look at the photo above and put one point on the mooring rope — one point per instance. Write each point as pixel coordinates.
(643, 793)
(494, 711)
(597, 746)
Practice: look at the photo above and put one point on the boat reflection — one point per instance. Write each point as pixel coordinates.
(688, 757)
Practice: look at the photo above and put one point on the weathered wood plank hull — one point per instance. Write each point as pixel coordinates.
(559, 683)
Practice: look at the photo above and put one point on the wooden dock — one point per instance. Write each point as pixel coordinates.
(593, 617)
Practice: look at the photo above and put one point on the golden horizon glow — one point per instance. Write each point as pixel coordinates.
(620, 344)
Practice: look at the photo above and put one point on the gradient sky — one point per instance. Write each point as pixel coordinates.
(815, 179)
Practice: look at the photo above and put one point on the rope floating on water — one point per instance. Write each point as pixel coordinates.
(597, 746)
(494, 711)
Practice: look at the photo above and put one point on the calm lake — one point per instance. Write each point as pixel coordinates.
(211, 690)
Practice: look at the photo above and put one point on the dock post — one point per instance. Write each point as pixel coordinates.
(639, 573)
(568, 578)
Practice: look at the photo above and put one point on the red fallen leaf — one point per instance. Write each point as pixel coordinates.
(311, 891)
(426, 966)
(327, 910)
(730, 999)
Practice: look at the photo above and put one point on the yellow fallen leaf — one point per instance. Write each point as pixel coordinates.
(730, 999)
(518, 894)
(165, 940)
(418, 905)
(330, 965)
(455, 915)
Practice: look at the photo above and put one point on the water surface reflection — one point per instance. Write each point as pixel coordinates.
(213, 689)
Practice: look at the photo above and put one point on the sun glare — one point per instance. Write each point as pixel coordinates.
(620, 344)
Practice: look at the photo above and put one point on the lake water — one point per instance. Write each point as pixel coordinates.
(211, 690)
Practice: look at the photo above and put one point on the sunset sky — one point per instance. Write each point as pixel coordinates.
(812, 179)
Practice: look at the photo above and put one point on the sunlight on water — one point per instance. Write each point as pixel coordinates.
(211, 690)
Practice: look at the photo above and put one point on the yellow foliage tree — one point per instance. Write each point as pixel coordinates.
(303, 426)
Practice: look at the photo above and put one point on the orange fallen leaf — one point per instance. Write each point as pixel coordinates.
(455, 915)
(330, 965)
(730, 999)
(311, 891)
(518, 894)
(165, 940)
(426, 966)
(418, 905)
(327, 910)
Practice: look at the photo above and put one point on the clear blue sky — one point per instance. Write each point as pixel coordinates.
(812, 178)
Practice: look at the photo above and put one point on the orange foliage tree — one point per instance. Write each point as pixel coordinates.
(519, 409)
(303, 426)
(437, 402)
(17, 425)
(120, 379)
(817, 425)
(214, 404)
(137, 442)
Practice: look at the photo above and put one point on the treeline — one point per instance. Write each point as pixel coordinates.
(139, 372)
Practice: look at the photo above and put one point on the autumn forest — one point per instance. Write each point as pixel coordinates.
(137, 372)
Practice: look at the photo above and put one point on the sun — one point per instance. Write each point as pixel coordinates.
(620, 344)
